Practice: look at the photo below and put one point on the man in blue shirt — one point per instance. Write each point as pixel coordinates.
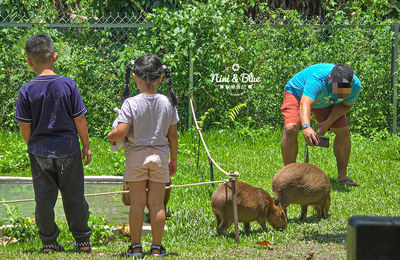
(328, 91)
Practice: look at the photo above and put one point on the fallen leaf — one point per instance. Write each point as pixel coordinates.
(126, 231)
(265, 243)
(8, 240)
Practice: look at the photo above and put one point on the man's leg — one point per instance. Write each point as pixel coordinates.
(342, 149)
(291, 120)
(289, 145)
(342, 143)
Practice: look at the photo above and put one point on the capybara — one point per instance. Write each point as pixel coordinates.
(304, 184)
(253, 204)
(127, 201)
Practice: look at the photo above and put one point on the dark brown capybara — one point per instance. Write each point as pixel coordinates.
(304, 184)
(253, 204)
(127, 201)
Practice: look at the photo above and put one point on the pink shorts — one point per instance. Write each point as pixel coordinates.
(147, 163)
(291, 112)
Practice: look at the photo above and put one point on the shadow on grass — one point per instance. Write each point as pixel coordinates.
(312, 219)
(341, 187)
(338, 237)
(242, 233)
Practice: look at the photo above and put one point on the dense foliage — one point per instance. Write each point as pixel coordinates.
(215, 35)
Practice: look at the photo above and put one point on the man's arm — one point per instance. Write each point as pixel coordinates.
(25, 131)
(305, 118)
(81, 126)
(337, 111)
(173, 149)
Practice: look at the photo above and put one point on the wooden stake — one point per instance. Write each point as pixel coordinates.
(232, 178)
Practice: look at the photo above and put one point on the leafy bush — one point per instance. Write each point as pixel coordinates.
(274, 49)
(214, 35)
(23, 229)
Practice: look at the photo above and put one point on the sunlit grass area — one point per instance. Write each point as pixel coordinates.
(255, 155)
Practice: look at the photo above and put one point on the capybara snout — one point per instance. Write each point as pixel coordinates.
(304, 184)
(253, 204)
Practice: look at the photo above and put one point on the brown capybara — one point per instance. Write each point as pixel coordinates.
(127, 201)
(304, 184)
(253, 204)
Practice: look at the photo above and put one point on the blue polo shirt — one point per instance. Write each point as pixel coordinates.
(313, 83)
(50, 104)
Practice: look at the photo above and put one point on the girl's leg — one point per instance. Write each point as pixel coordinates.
(138, 202)
(155, 203)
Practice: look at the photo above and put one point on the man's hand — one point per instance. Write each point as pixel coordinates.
(311, 136)
(323, 127)
(86, 154)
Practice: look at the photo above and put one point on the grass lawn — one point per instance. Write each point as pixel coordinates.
(255, 155)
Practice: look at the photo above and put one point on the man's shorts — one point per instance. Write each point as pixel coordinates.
(291, 112)
(147, 163)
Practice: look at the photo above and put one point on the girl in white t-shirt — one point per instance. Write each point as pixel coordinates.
(149, 121)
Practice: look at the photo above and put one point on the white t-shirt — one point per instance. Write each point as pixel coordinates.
(150, 117)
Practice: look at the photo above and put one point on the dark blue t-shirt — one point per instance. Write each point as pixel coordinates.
(50, 104)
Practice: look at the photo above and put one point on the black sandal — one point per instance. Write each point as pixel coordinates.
(53, 247)
(130, 252)
(79, 245)
(162, 253)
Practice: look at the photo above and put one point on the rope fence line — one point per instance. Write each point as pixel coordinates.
(121, 192)
(204, 143)
(232, 175)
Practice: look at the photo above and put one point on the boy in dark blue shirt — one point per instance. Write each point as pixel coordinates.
(50, 112)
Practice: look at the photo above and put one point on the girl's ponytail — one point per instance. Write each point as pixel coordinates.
(173, 97)
(126, 93)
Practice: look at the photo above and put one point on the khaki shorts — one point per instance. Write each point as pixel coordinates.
(147, 163)
(291, 112)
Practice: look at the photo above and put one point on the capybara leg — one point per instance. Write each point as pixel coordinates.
(325, 206)
(303, 212)
(225, 224)
(263, 224)
(246, 227)
(318, 209)
(218, 218)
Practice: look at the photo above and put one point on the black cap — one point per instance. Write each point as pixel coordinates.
(342, 74)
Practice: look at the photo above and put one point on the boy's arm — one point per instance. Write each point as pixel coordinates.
(25, 131)
(81, 126)
(172, 136)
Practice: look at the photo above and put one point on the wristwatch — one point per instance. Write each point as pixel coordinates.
(305, 126)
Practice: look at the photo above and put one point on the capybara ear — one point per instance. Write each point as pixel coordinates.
(276, 202)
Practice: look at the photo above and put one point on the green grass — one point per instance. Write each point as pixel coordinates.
(255, 155)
